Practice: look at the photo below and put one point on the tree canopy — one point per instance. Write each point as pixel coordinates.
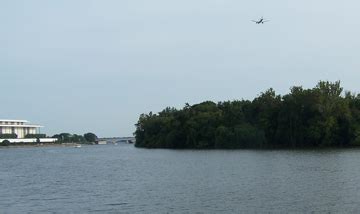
(74, 138)
(319, 117)
(90, 137)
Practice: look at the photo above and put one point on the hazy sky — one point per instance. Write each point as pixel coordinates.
(80, 65)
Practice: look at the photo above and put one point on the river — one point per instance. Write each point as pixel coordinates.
(124, 179)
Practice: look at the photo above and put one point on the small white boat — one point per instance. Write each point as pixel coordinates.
(77, 146)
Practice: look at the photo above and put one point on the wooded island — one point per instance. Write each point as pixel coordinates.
(323, 116)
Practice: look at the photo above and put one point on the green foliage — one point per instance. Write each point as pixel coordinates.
(317, 117)
(70, 138)
(35, 136)
(8, 136)
(240, 136)
(90, 137)
(5, 143)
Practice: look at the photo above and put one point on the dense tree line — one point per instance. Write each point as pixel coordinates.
(74, 138)
(319, 117)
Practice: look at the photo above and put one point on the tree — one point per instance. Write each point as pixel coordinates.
(265, 113)
(90, 137)
(73, 138)
(319, 116)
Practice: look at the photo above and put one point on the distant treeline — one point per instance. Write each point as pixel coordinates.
(323, 116)
(74, 138)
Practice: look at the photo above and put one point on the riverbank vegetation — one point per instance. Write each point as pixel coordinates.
(8, 136)
(323, 116)
(88, 138)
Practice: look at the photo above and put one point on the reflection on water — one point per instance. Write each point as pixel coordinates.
(113, 179)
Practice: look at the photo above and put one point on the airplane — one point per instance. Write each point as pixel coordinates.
(260, 21)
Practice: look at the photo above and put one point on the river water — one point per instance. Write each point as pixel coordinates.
(124, 179)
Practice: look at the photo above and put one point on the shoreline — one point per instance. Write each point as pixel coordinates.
(43, 145)
(259, 149)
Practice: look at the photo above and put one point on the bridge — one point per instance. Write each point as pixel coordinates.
(118, 140)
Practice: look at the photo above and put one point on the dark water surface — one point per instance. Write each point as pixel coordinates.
(123, 179)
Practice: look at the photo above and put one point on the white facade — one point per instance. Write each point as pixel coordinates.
(19, 127)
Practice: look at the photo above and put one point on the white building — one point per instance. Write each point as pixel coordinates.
(21, 128)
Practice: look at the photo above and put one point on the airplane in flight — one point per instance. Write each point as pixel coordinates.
(260, 21)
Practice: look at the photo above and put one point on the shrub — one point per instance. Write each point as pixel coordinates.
(5, 143)
(35, 136)
(8, 136)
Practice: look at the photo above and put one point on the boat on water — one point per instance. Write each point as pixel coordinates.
(77, 146)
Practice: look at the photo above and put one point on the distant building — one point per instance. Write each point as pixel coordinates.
(101, 142)
(19, 127)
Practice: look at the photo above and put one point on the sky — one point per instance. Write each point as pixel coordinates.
(94, 66)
